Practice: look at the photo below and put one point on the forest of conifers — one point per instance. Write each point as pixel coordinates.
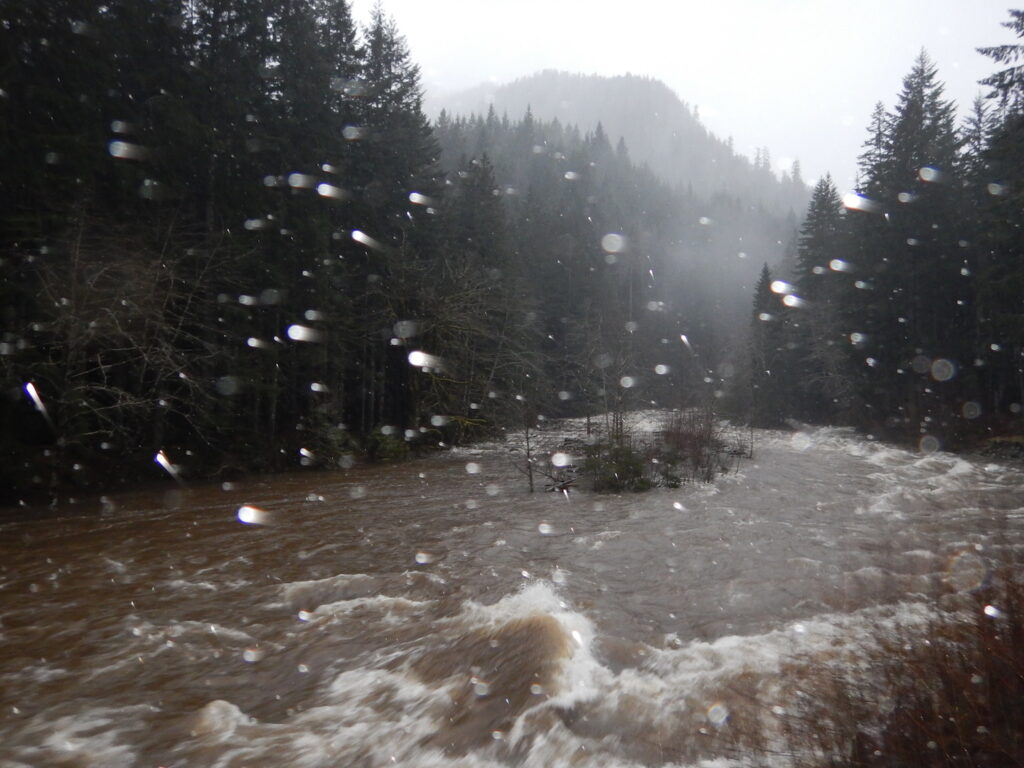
(904, 314)
(230, 235)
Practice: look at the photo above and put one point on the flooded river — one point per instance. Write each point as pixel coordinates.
(435, 613)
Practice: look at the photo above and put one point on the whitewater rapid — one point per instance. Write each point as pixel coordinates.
(435, 613)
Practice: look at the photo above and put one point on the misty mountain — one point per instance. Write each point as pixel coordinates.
(659, 129)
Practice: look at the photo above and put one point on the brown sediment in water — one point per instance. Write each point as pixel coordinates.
(498, 672)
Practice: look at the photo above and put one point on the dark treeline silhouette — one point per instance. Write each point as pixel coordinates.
(904, 314)
(229, 234)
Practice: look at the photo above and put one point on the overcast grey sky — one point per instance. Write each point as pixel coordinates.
(797, 76)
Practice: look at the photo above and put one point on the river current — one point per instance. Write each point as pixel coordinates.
(436, 613)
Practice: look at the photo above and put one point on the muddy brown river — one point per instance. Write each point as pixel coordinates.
(435, 613)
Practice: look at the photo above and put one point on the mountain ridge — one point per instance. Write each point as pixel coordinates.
(659, 129)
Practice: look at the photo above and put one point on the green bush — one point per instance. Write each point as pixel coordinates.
(381, 446)
(615, 467)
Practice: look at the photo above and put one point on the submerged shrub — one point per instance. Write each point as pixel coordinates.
(949, 695)
(616, 466)
(383, 446)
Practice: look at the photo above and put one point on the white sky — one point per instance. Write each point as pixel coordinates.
(798, 76)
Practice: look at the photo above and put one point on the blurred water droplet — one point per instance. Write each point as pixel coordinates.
(329, 190)
(545, 529)
(928, 444)
(613, 242)
(424, 558)
(781, 286)
(718, 714)
(942, 369)
(301, 181)
(163, 461)
(126, 151)
(992, 612)
(472, 468)
(361, 237)
(930, 174)
(251, 515)
(560, 459)
(228, 385)
(794, 301)
(971, 410)
(304, 333)
(406, 329)
(855, 202)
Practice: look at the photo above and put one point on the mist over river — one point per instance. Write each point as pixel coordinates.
(435, 613)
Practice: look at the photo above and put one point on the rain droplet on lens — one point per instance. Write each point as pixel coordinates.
(856, 202)
(251, 515)
(942, 369)
(613, 242)
(228, 385)
(304, 333)
(718, 714)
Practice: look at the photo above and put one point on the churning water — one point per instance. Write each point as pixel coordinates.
(425, 615)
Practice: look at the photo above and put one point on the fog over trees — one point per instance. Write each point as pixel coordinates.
(230, 234)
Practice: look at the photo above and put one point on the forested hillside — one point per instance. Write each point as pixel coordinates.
(906, 316)
(661, 130)
(232, 241)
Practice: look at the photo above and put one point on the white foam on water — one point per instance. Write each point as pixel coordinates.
(182, 585)
(307, 595)
(393, 610)
(91, 736)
